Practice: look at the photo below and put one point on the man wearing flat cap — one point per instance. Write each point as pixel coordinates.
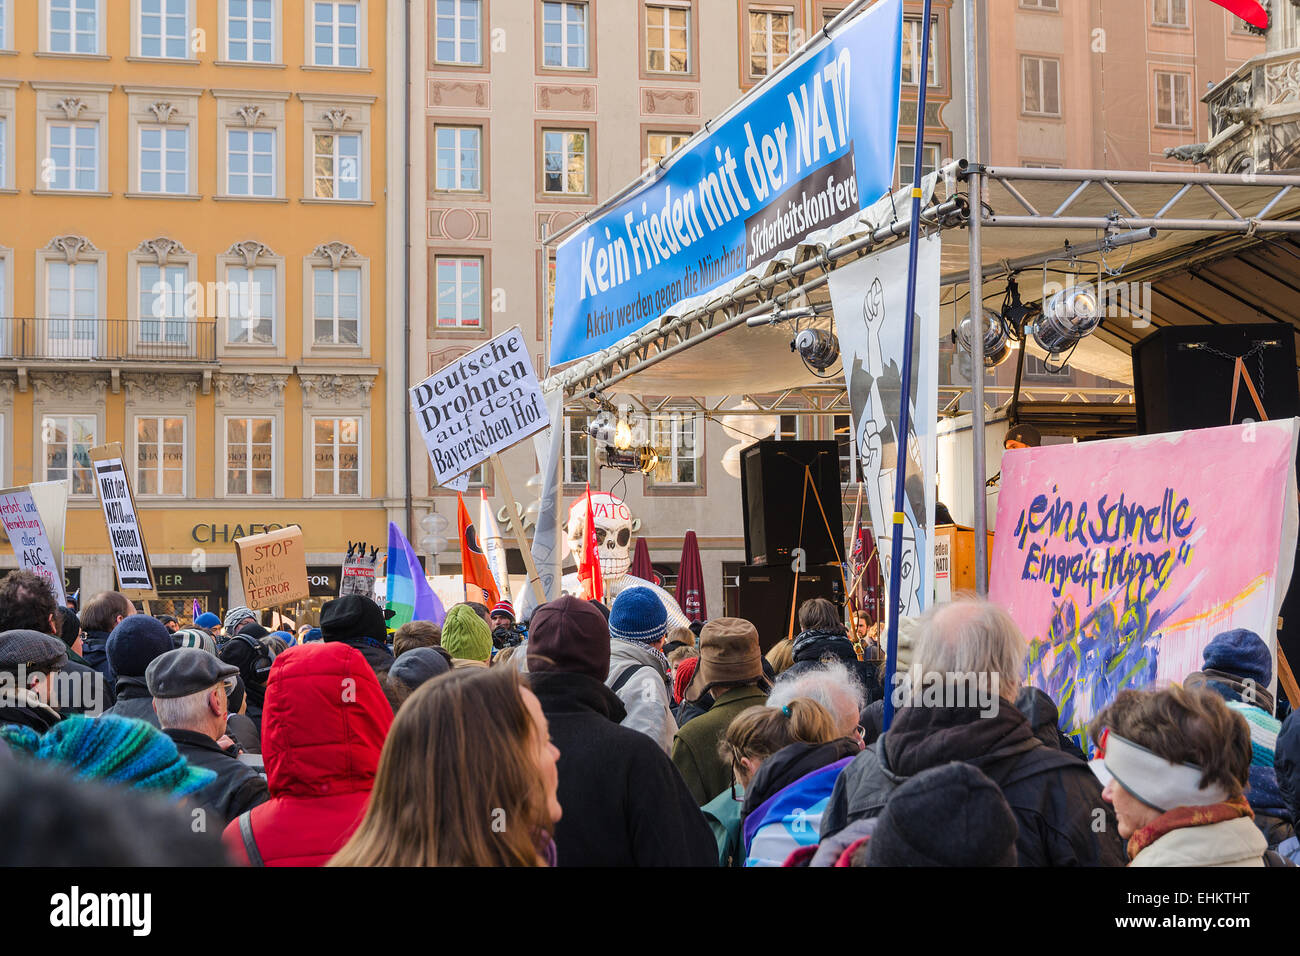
(29, 662)
(731, 670)
(189, 688)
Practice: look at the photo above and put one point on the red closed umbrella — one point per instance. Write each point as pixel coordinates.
(641, 566)
(690, 581)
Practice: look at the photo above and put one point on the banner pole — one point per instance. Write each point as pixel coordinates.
(534, 578)
(975, 188)
(905, 393)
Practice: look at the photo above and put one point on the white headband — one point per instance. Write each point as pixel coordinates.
(1154, 780)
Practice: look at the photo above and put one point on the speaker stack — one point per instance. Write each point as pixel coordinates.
(772, 488)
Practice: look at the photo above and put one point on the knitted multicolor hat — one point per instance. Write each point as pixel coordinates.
(116, 750)
(194, 637)
(503, 607)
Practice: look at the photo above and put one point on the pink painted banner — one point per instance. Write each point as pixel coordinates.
(1120, 560)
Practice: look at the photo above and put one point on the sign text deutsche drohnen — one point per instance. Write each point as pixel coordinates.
(129, 557)
(813, 147)
(26, 533)
(273, 568)
(479, 405)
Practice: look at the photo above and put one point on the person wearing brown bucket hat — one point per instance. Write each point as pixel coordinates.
(731, 670)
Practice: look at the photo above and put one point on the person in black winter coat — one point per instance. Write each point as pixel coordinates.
(625, 804)
(132, 646)
(359, 622)
(27, 602)
(99, 616)
(189, 694)
(1045, 719)
(29, 666)
(1055, 797)
(822, 639)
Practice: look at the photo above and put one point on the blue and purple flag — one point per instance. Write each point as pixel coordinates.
(409, 594)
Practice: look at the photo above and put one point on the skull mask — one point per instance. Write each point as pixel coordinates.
(615, 527)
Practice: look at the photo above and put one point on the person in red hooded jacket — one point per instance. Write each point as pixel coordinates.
(323, 728)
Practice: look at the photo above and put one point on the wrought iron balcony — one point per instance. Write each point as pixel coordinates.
(149, 340)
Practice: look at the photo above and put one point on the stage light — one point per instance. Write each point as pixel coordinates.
(817, 347)
(1068, 316)
(997, 345)
(641, 459)
(623, 435)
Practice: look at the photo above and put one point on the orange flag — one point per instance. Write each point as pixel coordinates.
(479, 584)
(593, 584)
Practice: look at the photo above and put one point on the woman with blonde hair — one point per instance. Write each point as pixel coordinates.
(467, 778)
(755, 735)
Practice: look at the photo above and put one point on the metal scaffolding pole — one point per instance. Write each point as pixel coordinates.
(975, 185)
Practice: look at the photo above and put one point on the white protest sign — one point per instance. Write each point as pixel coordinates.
(130, 556)
(26, 530)
(479, 405)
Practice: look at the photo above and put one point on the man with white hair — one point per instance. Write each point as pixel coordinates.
(189, 688)
(956, 703)
(832, 686)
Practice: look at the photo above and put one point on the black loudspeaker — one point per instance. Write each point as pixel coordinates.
(1183, 376)
(766, 594)
(771, 488)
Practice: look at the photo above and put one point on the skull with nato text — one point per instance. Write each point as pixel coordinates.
(615, 527)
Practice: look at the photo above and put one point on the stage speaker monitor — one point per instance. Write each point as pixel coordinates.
(766, 594)
(1183, 376)
(772, 487)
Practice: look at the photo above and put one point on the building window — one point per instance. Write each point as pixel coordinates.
(1173, 100)
(676, 439)
(564, 161)
(337, 172)
(1170, 13)
(769, 40)
(907, 161)
(659, 146)
(336, 306)
(842, 425)
(912, 52)
(1041, 85)
(564, 36)
(1040, 4)
(667, 38)
(162, 303)
(73, 26)
(250, 31)
(829, 14)
(336, 456)
(459, 32)
(250, 162)
(4, 150)
(159, 455)
(250, 456)
(4, 26)
(1036, 368)
(73, 157)
(251, 307)
(164, 159)
(335, 34)
(577, 450)
(164, 30)
(460, 292)
(68, 440)
(788, 428)
(71, 305)
(459, 158)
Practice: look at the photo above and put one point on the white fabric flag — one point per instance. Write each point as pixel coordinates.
(493, 547)
(870, 301)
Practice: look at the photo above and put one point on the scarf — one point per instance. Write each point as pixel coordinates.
(1182, 817)
(664, 667)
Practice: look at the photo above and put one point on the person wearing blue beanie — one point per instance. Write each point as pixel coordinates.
(207, 620)
(131, 647)
(639, 673)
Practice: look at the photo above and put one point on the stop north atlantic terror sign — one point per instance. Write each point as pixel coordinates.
(479, 405)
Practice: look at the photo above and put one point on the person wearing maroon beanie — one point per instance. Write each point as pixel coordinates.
(625, 804)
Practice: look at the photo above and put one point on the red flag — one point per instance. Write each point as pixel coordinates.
(1248, 10)
(593, 584)
(479, 583)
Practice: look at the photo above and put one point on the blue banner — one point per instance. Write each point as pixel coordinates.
(816, 146)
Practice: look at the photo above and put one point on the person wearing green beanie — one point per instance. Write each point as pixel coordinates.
(466, 637)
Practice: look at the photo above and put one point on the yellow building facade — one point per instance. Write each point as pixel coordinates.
(193, 262)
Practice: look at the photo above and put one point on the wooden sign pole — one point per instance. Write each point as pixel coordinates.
(533, 576)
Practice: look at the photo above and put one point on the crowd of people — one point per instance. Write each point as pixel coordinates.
(598, 736)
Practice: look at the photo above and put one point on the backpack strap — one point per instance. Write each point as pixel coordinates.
(246, 833)
(626, 676)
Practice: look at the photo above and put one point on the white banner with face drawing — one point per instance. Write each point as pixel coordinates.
(870, 300)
